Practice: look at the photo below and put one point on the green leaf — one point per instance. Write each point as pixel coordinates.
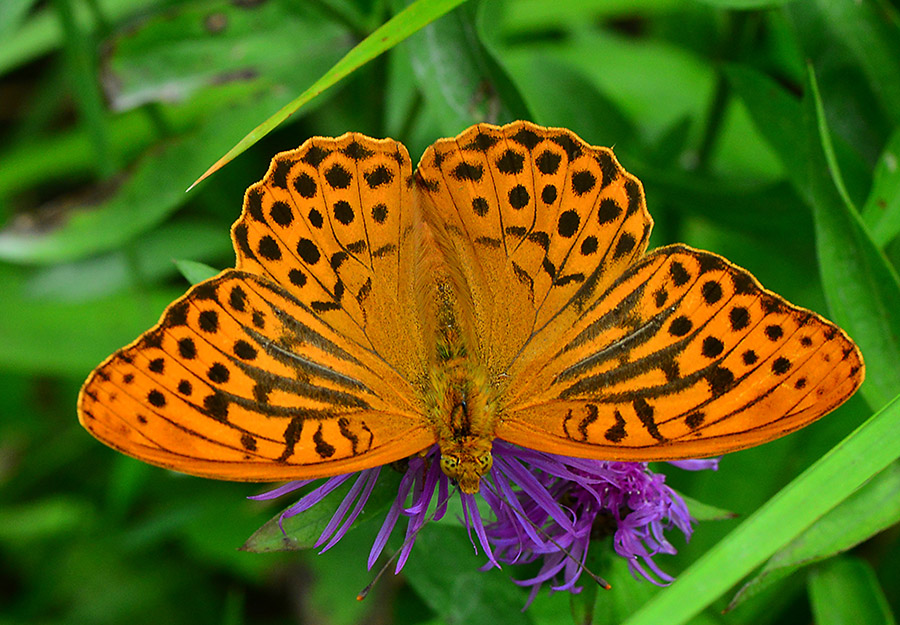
(777, 115)
(195, 272)
(136, 202)
(845, 591)
(882, 210)
(654, 83)
(562, 96)
(43, 519)
(875, 42)
(530, 16)
(170, 55)
(705, 512)
(870, 510)
(12, 14)
(862, 288)
(301, 531)
(42, 33)
(49, 337)
(443, 570)
(398, 28)
(459, 79)
(867, 451)
(81, 69)
(148, 260)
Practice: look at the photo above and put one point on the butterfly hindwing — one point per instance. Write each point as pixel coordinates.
(242, 380)
(685, 356)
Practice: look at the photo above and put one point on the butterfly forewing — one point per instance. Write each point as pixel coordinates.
(306, 361)
(333, 223)
(685, 356)
(537, 223)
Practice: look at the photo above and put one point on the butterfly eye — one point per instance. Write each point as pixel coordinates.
(449, 465)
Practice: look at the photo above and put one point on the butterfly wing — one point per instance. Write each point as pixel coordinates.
(303, 362)
(592, 351)
(536, 224)
(685, 356)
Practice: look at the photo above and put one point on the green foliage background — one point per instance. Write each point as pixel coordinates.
(767, 131)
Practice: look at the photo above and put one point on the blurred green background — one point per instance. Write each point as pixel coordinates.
(110, 109)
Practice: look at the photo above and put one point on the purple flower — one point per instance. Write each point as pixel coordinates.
(624, 499)
(545, 508)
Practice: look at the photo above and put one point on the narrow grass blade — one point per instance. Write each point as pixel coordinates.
(867, 451)
(397, 29)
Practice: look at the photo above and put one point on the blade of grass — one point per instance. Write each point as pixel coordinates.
(882, 210)
(395, 30)
(867, 451)
(844, 247)
(870, 510)
(861, 286)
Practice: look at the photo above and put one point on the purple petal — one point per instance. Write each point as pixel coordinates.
(711, 464)
(281, 490)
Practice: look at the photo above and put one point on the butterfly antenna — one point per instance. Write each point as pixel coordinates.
(412, 537)
(521, 514)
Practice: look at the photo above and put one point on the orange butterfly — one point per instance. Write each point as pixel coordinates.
(499, 291)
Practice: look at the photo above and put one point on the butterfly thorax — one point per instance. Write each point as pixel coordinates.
(458, 406)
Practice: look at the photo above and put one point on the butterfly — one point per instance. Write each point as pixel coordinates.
(500, 290)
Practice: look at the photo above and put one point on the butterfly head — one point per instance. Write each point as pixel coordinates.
(466, 461)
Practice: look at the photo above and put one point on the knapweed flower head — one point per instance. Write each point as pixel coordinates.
(544, 508)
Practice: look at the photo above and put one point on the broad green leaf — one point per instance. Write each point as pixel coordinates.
(528, 16)
(778, 116)
(870, 510)
(49, 337)
(773, 212)
(136, 203)
(170, 55)
(12, 14)
(654, 83)
(460, 81)
(845, 591)
(881, 212)
(875, 42)
(398, 28)
(562, 96)
(195, 272)
(42, 33)
(863, 454)
(443, 570)
(862, 288)
(148, 260)
(303, 530)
